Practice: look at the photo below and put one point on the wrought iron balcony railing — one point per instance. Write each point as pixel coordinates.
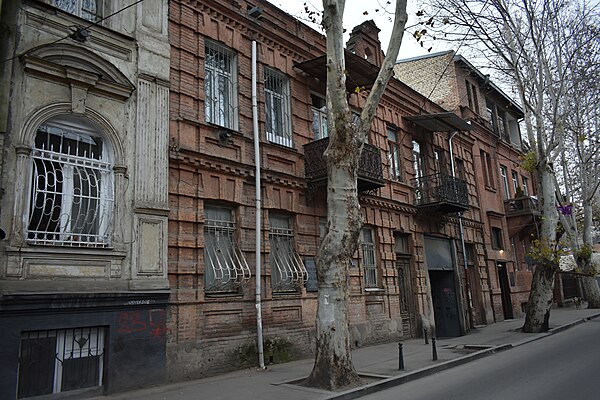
(441, 192)
(370, 167)
(521, 206)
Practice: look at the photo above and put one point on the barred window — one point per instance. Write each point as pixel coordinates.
(368, 257)
(220, 78)
(277, 108)
(394, 156)
(225, 265)
(57, 361)
(71, 187)
(86, 9)
(287, 269)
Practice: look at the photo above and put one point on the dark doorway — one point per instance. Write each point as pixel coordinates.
(407, 311)
(445, 304)
(507, 308)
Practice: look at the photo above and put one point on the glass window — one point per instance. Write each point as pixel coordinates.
(71, 187)
(58, 361)
(472, 97)
(277, 108)
(86, 9)
(287, 269)
(225, 267)
(525, 186)
(504, 177)
(515, 181)
(497, 242)
(220, 105)
(368, 257)
(319, 110)
(394, 155)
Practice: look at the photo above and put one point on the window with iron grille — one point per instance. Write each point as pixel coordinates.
(287, 269)
(86, 9)
(225, 266)
(277, 108)
(71, 187)
(220, 81)
(394, 156)
(57, 361)
(368, 258)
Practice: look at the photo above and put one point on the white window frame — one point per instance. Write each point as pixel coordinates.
(394, 155)
(515, 180)
(525, 186)
(82, 182)
(278, 118)
(504, 176)
(319, 113)
(68, 346)
(86, 9)
(220, 86)
(288, 272)
(369, 258)
(225, 266)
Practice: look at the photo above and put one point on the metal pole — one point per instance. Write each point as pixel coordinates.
(435, 357)
(425, 335)
(400, 357)
(259, 328)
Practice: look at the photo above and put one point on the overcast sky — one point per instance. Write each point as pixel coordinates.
(354, 16)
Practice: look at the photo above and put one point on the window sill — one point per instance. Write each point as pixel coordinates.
(222, 295)
(489, 188)
(374, 290)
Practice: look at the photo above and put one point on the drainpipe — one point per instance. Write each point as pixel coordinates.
(462, 235)
(259, 328)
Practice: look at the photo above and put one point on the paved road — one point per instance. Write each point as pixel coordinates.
(563, 366)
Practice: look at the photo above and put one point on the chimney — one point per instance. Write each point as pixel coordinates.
(364, 42)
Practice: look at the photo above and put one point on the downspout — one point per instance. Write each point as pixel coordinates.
(462, 236)
(259, 328)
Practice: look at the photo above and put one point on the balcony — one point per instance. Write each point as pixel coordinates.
(522, 206)
(441, 193)
(370, 167)
(521, 215)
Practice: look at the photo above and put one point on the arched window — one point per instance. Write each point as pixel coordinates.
(71, 198)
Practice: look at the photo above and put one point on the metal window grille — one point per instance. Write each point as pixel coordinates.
(287, 269)
(71, 189)
(86, 9)
(368, 258)
(225, 265)
(57, 361)
(277, 108)
(220, 105)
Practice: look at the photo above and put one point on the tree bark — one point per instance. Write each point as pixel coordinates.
(540, 299)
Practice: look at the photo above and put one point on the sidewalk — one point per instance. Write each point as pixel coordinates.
(378, 364)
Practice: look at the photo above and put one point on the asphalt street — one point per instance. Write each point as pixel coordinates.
(563, 366)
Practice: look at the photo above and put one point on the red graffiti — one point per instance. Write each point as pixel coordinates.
(152, 322)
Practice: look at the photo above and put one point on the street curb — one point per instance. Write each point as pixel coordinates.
(398, 380)
(420, 373)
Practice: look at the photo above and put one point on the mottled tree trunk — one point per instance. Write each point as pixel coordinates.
(333, 366)
(540, 299)
(591, 292)
(542, 286)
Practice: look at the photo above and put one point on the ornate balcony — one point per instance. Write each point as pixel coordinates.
(521, 215)
(370, 167)
(441, 193)
(521, 206)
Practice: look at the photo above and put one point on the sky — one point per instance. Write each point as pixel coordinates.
(354, 16)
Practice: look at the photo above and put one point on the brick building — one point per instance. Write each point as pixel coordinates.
(418, 170)
(510, 213)
(84, 166)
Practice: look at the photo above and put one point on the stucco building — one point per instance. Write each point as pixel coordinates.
(83, 267)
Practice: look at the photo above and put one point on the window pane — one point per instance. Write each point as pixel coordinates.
(72, 191)
(220, 106)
